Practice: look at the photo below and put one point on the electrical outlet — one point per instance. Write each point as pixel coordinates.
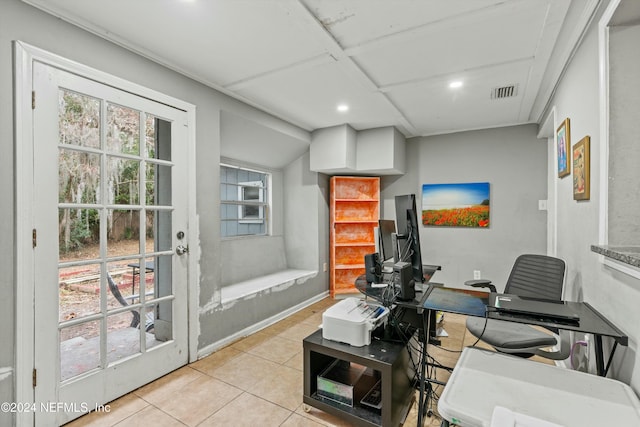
(579, 355)
(476, 274)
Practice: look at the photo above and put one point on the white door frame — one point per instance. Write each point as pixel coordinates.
(24, 57)
(547, 131)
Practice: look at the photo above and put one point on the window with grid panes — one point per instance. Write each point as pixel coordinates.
(244, 201)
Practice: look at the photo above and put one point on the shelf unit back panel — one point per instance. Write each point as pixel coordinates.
(345, 280)
(356, 211)
(360, 188)
(352, 233)
(352, 256)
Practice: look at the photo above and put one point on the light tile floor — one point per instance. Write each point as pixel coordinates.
(257, 381)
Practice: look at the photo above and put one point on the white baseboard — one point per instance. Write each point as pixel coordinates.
(211, 348)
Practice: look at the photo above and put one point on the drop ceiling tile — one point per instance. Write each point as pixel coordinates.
(311, 98)
(222, 41)
(495, 40)
(353, 23)
(434, 108)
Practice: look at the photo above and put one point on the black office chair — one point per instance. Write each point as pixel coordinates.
(536, 276)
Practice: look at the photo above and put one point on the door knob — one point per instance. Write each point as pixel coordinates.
(181, 249)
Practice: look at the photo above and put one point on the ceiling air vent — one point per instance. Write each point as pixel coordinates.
(504, 92)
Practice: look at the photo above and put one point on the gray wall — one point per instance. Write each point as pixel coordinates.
(624, 136)
(513, 161)
(19, 21)
(306, 213)
(614, 294)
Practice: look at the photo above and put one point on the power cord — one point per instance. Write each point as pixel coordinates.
(484, 328)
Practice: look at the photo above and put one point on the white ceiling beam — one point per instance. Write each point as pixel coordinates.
(296, 66)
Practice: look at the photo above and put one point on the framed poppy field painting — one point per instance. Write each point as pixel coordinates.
(456, 205)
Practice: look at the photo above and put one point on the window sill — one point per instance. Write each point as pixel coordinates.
(622, 258)
(276, 281)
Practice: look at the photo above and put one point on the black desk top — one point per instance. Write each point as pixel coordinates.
(463, 301)
(431, 296)
(591, 321)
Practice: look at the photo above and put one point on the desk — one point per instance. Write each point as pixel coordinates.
(591, 321)
(484, 379)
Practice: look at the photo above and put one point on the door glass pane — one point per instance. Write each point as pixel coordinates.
(78, 234)
(123, 130)
(162, 324)
(79, 119)
(120, 281)
(123, 338)
(123, 232)
(79, 291)
(159, 223)
(158, 182)
(158, 139)
(150, 327)
(123, 181)
(78, 177)
(79, 349)
(150, 137)
(162, 280)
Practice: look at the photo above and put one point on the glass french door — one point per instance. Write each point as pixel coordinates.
(110, 243)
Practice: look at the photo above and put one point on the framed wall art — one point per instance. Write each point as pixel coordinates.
(581, 169)
(456, 205)
(563, 144)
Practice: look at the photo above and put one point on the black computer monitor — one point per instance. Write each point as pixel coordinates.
(386, 229)
(409, 234)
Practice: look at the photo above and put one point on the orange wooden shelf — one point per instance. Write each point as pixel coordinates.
(355, 209)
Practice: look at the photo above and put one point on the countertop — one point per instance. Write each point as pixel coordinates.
(626, 254)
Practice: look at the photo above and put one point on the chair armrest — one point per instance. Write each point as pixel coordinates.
(482, 283)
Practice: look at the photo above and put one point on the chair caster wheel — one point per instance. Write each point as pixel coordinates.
(306, 408)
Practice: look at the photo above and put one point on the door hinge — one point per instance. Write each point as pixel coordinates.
(34, 238)
(33, 99)
(34, 377)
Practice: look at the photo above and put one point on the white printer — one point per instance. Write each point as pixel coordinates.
(351, 321)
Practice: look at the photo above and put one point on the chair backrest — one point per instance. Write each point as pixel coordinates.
(537, 276)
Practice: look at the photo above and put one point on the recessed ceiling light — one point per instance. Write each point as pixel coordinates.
(455, 84)
(343, 108)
